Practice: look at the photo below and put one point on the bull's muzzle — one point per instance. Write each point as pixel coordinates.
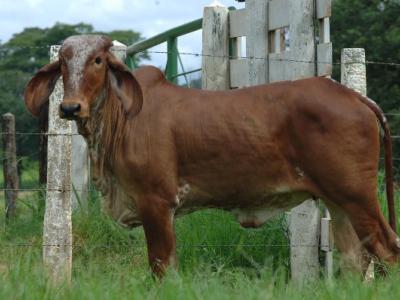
(69, 111)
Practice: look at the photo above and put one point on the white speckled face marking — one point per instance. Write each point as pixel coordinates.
(398, 242)
(82, 46)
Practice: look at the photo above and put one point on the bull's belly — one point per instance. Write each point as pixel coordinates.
(251, 210)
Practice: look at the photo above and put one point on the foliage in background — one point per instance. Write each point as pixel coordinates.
(24, 54)
(375, 26)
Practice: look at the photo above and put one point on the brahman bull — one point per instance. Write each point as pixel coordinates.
(159, 150)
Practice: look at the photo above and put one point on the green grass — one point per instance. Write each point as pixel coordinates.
(218, 260)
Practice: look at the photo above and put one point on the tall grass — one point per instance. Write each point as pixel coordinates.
(218, 260)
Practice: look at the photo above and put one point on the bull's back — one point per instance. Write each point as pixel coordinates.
(272, 135)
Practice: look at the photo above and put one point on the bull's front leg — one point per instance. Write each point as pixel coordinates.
(157, 215)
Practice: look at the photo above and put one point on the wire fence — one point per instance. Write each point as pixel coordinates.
(196, 54)
(5, 50)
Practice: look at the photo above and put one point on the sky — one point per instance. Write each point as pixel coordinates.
(148, 17)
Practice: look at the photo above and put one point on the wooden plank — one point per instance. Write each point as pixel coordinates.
(239, 71)
(257, 41)
(10, 170)
(324, 54)
(215, 62)
(238, 23)
(278, 14)
(324, 8)
(57, 228)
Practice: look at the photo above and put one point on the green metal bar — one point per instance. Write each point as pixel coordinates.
(183, 70)
(172, 59)
(163, 37)
(188, 72)
(130, 62)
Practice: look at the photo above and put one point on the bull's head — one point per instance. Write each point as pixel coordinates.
(88, 68)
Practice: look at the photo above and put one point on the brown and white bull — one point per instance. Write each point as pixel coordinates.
(160, 150)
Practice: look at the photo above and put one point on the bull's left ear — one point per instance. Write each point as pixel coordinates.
(125, 86)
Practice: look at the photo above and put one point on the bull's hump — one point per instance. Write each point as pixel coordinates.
(148, 76)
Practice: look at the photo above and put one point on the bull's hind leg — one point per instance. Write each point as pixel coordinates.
(353, 256)
(368, 222)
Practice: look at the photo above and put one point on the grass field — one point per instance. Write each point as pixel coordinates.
(218, 260)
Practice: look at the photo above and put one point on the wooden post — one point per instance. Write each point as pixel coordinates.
(215, 63)
(57, 229)
(11, 181)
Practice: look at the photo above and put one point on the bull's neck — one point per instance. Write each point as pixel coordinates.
(104, 132)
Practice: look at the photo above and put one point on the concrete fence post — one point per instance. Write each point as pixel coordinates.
(57, 229)
(10, 171)
(215, 63)
(353, 71)
(354, 75)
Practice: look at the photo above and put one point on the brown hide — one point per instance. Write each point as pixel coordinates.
(254, 151)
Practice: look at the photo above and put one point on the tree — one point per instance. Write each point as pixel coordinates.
(375, 26)
(23, 55)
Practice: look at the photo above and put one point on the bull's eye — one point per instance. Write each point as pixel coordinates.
(98, 60)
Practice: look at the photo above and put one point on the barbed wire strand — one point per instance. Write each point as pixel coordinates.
(4, 49)
(368, 62)
(144, 246)
(75, 134)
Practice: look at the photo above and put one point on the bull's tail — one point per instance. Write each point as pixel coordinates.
(387, 140)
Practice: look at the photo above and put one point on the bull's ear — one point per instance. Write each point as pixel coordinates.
(125, 86)
(39, 88)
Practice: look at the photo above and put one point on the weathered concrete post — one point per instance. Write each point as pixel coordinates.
(354, 75)
(215, 63)
(119, 50)
(57, 229)
(305, 218)
(353, 71)
(10, 171)
(257, 41)
(80, 169)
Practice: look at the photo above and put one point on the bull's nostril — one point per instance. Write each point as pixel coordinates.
(70, 110)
